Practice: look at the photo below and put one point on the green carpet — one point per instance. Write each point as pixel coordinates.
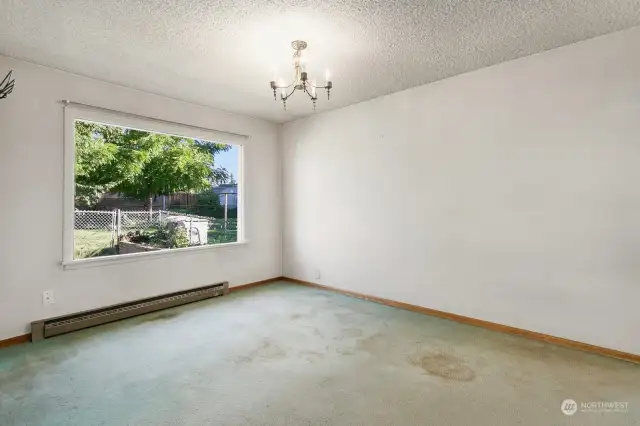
(284, 354)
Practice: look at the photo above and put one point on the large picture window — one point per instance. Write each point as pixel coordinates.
(143, 187)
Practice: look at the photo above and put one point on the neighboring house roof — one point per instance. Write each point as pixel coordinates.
(230, 200)
(226, 188)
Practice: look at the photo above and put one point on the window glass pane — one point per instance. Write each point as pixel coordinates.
(139, 191)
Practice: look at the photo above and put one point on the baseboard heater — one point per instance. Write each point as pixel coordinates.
(50, 327)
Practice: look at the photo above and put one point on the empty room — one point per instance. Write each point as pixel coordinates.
(349, 212)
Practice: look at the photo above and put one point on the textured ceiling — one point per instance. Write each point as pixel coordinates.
(223, 53)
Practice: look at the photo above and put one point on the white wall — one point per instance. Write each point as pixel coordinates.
(31, 171)
(518, 190)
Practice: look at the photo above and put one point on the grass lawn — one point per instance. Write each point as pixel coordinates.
(220, 237)
(92, 243)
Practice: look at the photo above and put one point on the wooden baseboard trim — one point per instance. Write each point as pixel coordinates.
(612, 353)
(254, 284)
(15, 340)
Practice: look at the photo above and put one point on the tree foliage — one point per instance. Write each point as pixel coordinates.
(208, 204)
(220, 174)
(141, 164)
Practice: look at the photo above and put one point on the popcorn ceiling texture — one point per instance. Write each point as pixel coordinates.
(223, 53)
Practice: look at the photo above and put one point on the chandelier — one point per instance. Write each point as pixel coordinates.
(300, 79)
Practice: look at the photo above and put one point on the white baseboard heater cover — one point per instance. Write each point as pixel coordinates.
(50, 327)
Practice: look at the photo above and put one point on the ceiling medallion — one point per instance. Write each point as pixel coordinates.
(300, 79)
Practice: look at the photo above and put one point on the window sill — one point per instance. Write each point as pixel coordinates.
(149, 255)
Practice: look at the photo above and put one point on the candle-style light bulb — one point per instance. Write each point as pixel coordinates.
(283, 89)
(326, 77)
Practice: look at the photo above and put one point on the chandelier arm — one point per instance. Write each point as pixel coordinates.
(317, 87)
(285, 87)
(284, 98)
(295, 79)
(313, 98)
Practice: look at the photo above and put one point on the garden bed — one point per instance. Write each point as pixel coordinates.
(127, 247)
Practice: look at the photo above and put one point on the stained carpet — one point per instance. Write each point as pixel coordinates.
(285, 354)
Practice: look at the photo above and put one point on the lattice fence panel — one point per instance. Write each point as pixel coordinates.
(130, 220)
(94, 233)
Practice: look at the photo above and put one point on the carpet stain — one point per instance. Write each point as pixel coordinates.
(347, 317)
(21, 375)
(315, 330)
(372, 343)
(349, 333)
(345, 351)
(163, 316)
(530, 350)
(311, 356)
(267, 350)
(518, 378)
(444, 365)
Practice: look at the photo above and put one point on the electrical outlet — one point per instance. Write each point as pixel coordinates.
(47, 297)
(317, 274)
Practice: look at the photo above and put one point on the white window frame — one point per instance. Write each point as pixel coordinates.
(74, 112)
